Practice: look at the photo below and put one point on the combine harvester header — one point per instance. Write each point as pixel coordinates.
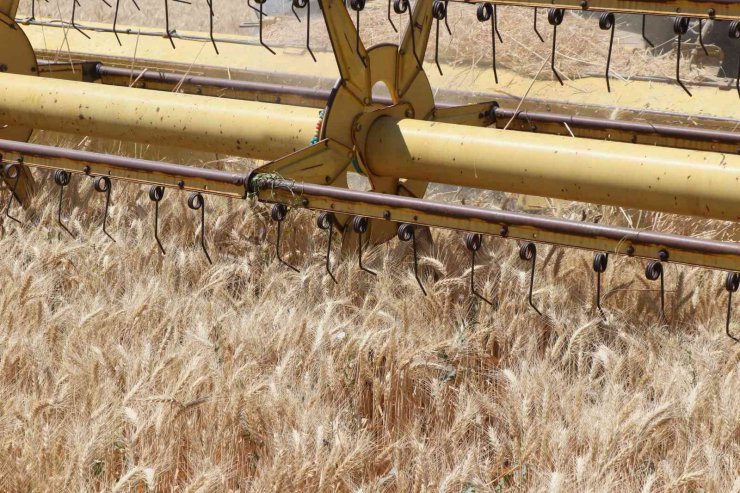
(676, 162)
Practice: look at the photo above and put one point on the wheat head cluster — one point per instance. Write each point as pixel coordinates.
(122, 369)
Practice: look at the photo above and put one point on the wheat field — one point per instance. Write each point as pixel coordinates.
(125, 370)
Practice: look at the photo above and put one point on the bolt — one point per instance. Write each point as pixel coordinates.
(86, 170)
(181, 184)
(584, 4)
(409, 113)
(304, 202)
(327, 179)
(3, 67)
(366, 101)
(387, 215)
(504, 230)
(663, 255)
(630, 250)
(358, 127)
(711, 12)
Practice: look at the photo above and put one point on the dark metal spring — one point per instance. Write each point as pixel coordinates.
(103, 184)
(439, 12)
(325, 221)
(680, 27)
(601, 260)
(195, 202)
(555, 18)
(653, 272)
(156, 194)
(405, 233)
(486, 12)
(528, 251)
(360, 225)
(403, 6)
(473, 242)
(300, 4)
(606, 22)
(62, 178)
(535, 25)
(278, 214)
(358, 6)
(732, 283)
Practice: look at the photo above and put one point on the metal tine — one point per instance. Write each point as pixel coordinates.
(535, 26)
(167, 23)
(405, 233)
(447, 25)
(395, 29)
(115, 19)
(528, 251)
(495, 23)
(210, 25)
(195, 202)
(261, 14)
(75, 4)
(701, 37)
(13, 171)
(325, 221)
(400, 7)
(555, 18)
(644, 36)
(653, 272)
(103, 184)
(358, 6)
(295, 13)
(307, 5)
(360, 226)
(735, 34)
(484, 13)
(732, 283)
(33, 9)
(473, 242)
(156, 194)
(62, 178)
(278, 214)
(601, 260)
(439, 12)
(606, 21)
(680, 27)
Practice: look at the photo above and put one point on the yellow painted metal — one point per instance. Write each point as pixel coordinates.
(627, 98)
(414, 46)
(17, 57)
(526, 233)
(707, 9)
(322, 163)
(239, 128)
(9, 7)
(630, 175)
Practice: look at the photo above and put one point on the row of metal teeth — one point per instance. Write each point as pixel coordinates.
(359, 225)
(485, 12)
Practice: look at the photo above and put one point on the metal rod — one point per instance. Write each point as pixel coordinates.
(104, 185)
(574, 234)
(321, 96)
(62, 179)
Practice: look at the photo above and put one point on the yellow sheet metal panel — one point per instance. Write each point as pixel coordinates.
(239, 128)
(630, 175)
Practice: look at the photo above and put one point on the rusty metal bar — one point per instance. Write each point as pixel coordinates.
(636, 127)
(705, 9)
(126, 168)
(317, 98)
(646, 244)
(582, 235)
